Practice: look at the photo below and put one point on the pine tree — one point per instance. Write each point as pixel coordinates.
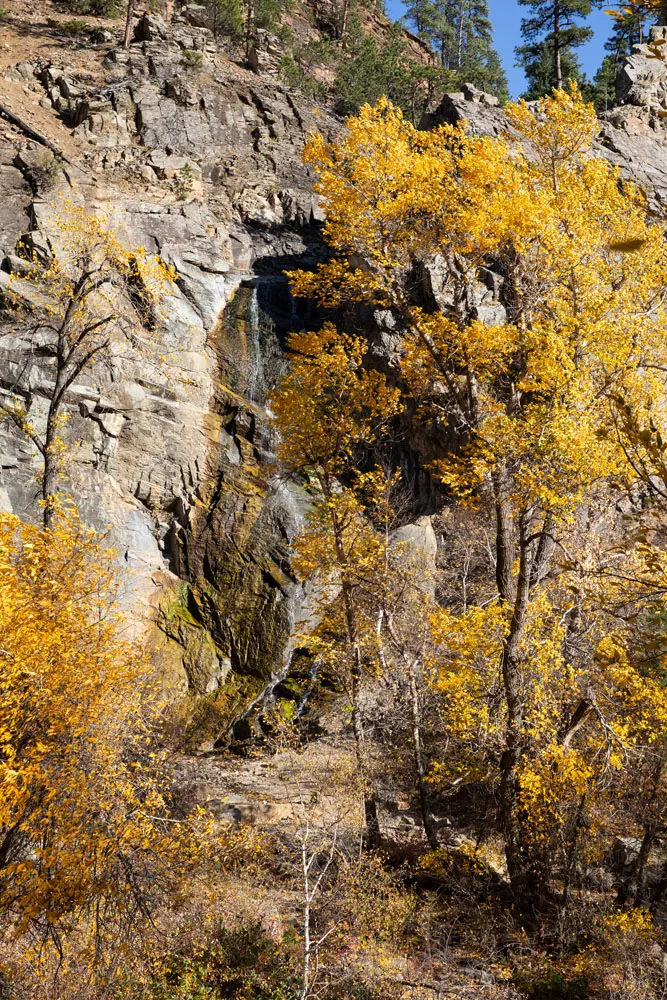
(461, 33)
(553, 22)
(419, 14)
(603, 91)
(369, 69)
(226, 17)
(538, 65)
(241, 18)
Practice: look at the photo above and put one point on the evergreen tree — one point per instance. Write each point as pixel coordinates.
(241, 18)
(226, 17)
(603, 90)
(554, 22)
(419, 14)
(537, 62)
(369, 69)
(630, 28)
(461, 33)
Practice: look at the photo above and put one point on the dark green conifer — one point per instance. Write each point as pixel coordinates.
(461, 33)
(603, 88)
(537, 62)
(242, 18)
(554, 28)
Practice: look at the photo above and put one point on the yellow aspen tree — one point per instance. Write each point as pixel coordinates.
(528, 402)
(93, 293)
(87, 844)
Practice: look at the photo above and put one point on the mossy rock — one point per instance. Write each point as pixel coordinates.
(199, 723)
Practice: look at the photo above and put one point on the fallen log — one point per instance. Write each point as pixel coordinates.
(5, 112)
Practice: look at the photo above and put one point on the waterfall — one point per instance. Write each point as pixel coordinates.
(256, 374)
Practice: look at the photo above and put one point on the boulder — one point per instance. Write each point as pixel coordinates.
(643, 79)
(196, 14)
(149, 28)
(480, 111)
(419, 547)
(102, 36)
(624, 853)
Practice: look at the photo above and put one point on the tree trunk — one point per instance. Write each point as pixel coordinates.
(370, 798)
(459, 47)
(356, 674)
(650, 833)
(558, 72)
(345, 13)
(642, 861)
(307, 946)
(659, 888)
(427, 819)
(504, 539)
(249, 26)
(50, 475)
(48, 490)
(572, 849)
(511, 671)
(128, 23)
(7, 843)
(545, 550)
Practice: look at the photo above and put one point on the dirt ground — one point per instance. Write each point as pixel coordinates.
(29, 31)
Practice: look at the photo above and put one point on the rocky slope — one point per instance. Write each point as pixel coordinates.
(200, 160)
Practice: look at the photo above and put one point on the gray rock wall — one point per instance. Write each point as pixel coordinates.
(200, 161)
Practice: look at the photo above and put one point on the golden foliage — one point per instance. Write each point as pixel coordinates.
(86, 839)
(540, 692)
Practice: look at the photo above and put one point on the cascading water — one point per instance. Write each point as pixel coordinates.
(250, 343)
(257, 386)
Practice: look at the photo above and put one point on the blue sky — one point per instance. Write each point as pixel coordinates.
(506, 16)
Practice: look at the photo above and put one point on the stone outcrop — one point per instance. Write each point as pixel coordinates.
(643, 79)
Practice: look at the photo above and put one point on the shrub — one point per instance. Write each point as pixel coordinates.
(297, 68)
(193, 59)
(242, 963)
(556, 987)
(98, 8)
(226, 17)
(45, 171)
(74, 28)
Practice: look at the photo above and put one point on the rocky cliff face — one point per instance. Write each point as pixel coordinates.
(201, 161)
